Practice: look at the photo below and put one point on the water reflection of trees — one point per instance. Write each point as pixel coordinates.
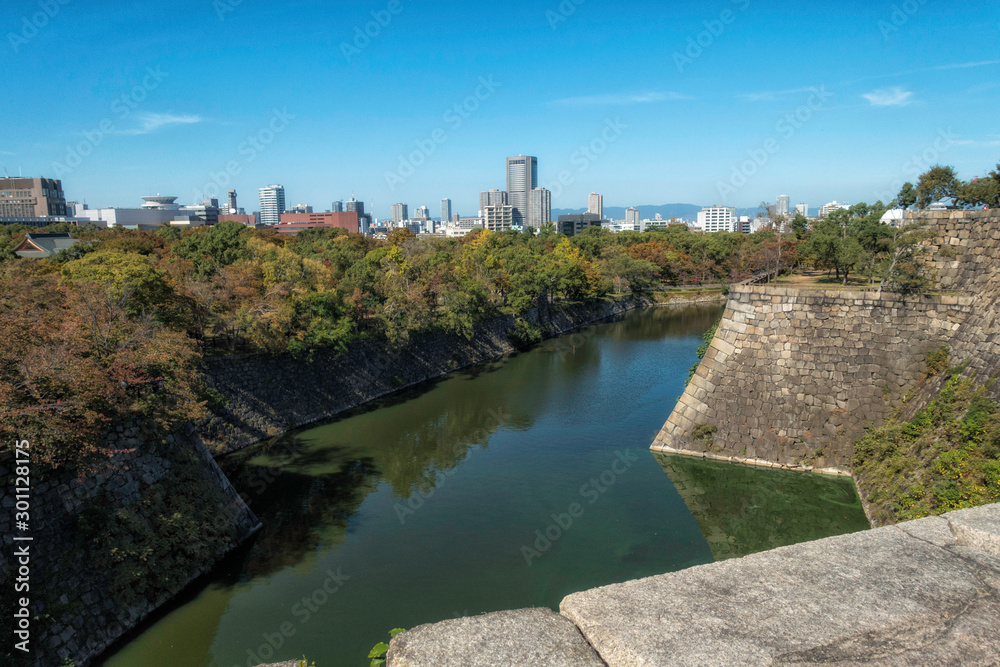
(305, 486)
(743, 510)
(299, 511)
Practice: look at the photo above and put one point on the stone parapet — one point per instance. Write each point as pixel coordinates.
(925, 592)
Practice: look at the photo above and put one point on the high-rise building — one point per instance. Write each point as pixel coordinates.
(522, 178)
(802, 209)
(718, 219)
(337, 207)
(445, 210)
(595, 204)
(632, 217)
(782, 205)
(422, 213)
(400, 212)
(498, 218)
(272, 204)
(31, 198)
(352, 205)
(539, 208)
(492, 198)
(231, 204)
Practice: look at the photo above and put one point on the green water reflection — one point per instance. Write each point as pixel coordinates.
(446, 501)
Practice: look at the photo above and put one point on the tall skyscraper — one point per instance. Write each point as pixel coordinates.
(802, 209)
(338, 207)
(272, 204)
(231, 205)
(445, 210)
(595, 204)
(539, 208)
(522, 178)
(400, 212)
(492, 198)
(631, 217)
(352, 205)
(782, 205)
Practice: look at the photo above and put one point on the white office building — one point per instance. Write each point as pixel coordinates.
(595, 204)
(539, 208)
(718, 219)
(272, 204)
(400, 213)
(782, 206)
(157, 210)
(802, 209)
(831, 207)
(498, 218)
(632, 218)
(522, 178)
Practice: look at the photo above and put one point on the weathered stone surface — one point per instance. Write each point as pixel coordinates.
(530, 637)
(811, 368)
(901, 595)
(978, 528)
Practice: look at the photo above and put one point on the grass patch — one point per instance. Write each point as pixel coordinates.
(946, 458)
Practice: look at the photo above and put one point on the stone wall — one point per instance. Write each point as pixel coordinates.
(76, 614)
(794, 375)
(268, 395)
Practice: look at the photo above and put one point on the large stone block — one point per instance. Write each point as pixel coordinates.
(535, 637)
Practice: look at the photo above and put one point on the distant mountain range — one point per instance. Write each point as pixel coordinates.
(683, 211)
(667, 211)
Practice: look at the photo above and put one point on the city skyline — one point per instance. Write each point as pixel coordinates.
(861, 115)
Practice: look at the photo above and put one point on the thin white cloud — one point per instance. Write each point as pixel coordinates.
(150, 122)
(979, 143)
(622, 99)
(7, 153)
(896, 96)
(771, 95)
(980, 63)
(922, 70)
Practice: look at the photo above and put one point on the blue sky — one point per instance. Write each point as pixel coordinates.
(728, 101)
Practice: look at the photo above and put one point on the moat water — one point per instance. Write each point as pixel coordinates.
(508, 485)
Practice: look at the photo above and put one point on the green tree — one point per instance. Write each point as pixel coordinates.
(907, 196)
(981, 191)
(937, 184)
(211, 248)
(800, 226)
